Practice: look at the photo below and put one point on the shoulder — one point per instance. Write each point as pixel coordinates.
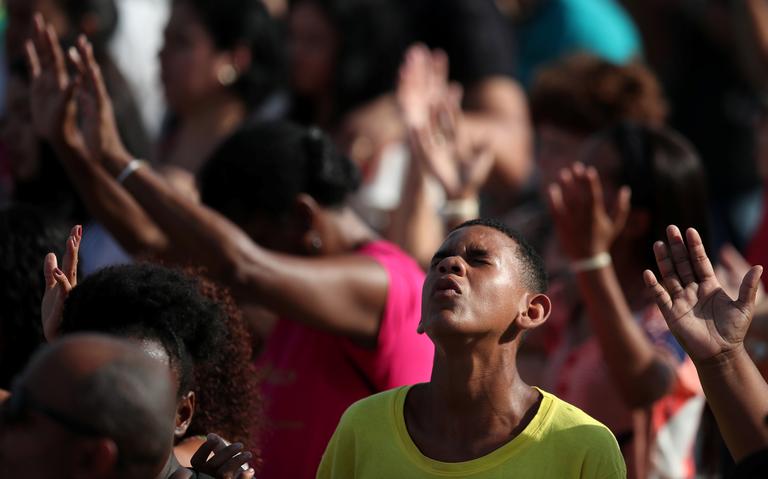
(383, 402)
(568, 427)
(390, 256)
(565, 417)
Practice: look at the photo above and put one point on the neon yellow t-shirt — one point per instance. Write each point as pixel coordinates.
(561, 442)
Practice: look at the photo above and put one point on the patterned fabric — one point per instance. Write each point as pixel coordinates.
(656, 441)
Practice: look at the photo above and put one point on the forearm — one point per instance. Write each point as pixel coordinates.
(196, 232)
(738, 397)
(639, 372)
(416, 225)
(114, 207)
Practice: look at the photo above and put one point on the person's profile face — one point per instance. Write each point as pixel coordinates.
(189, 60)
(313, 46)
(472, 288)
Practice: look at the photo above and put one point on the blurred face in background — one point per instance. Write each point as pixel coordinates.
(189, 60)
(556, 148)
(313, 44)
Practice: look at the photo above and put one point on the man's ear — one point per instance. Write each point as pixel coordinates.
(535, 311)
(94, 458)
(185, 410)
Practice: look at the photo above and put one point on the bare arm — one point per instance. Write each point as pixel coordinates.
(54, 113)
(641, 373)
(343, 294)
(711, 327)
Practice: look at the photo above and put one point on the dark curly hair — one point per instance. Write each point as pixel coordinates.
(26, 236)
(584, 94)
(262, 168)
(206, 347)
(245, 22)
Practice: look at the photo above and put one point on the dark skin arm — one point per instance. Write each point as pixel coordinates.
(641, 373)
(343, 293)
(56, 100)
(711, 327)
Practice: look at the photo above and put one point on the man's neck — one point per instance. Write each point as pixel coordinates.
(474, 404)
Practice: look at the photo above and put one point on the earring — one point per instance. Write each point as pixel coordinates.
(316, 243)
(227, 74)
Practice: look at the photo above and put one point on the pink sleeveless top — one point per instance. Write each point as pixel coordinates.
(311, 376)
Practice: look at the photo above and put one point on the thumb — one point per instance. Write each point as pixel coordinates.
(49, 266)
(749, 287)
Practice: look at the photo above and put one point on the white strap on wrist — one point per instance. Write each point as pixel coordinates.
(598, 261)
(129, 169)
(468, 208)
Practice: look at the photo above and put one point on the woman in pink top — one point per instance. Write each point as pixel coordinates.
(276, 229)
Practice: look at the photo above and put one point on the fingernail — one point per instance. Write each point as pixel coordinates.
(79, 230)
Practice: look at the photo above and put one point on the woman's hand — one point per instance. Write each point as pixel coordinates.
(440, 149)
(98, 117)
(583, 224)
(52, 92)
(58, 284)
(56, 99)
(706, 321)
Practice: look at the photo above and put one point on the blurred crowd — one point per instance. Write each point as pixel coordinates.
(223, 223)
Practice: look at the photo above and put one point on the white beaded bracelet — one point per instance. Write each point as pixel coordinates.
(131, 167)
(600, 260)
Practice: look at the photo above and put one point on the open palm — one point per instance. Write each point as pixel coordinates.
(697, 309)
(52, 92)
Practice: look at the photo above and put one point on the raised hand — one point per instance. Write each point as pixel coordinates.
(98, 118)
(423, 80)
(701, 315)
(58, 283)
(52, 92)
(226, 462)
(460, 166)
(584, 226)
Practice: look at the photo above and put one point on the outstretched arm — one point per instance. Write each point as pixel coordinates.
(711, 327)
(641, 373)
(343, 294)
(54, 97)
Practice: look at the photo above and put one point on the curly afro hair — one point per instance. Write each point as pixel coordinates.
(584, 94)
(207, 345)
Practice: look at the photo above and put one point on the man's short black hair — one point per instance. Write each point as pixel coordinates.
(533, 272)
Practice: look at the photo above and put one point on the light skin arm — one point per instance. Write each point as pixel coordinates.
(55, 100)
(439, 149)
(641, 373)
(313, 291)
(711, 326)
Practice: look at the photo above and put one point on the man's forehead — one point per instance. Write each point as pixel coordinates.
(479, 235)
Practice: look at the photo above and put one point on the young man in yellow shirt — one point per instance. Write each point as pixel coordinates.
(476, 418)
